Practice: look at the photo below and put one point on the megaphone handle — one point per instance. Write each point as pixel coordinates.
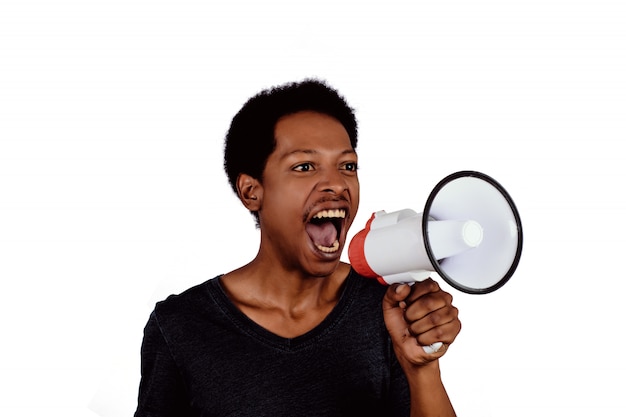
(434, 348)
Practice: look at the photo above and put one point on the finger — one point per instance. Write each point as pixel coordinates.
(419, 289)
(427, 304)
(445, 333)
(435, 319)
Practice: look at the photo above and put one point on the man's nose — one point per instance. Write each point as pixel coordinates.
(333, 181)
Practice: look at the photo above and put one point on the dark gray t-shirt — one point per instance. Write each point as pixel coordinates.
(201, 356)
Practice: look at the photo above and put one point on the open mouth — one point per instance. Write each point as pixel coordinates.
(324, 229)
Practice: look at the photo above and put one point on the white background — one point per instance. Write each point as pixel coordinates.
(112, 194)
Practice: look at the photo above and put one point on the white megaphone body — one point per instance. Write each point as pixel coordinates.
(469, 232)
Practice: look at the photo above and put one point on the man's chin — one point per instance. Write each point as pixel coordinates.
(326, 266)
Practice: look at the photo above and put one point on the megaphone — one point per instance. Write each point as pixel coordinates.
(469, 232)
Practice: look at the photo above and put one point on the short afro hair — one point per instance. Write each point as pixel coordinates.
(250, 139)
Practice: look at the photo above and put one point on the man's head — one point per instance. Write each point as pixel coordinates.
(251, 137)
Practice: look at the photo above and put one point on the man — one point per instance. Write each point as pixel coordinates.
(296, 332)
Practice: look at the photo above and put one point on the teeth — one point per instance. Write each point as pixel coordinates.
(332, 249)
(325, 214)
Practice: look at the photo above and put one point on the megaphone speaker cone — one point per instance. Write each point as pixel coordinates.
(474, 196)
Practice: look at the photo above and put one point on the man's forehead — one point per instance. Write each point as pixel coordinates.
(310, 132)
(318, 151)
(285, 153)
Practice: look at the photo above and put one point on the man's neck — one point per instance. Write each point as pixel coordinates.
(287, 304)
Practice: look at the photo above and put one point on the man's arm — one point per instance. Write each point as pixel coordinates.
(417, 316)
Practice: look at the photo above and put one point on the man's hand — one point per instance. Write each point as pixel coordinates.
(417, 316)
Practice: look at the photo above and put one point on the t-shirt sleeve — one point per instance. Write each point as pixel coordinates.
(162, 391)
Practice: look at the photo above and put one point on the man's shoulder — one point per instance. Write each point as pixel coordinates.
(368, 285)
(364, 295)
(187, 301)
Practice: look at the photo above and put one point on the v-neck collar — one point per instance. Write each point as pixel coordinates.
(253, 329)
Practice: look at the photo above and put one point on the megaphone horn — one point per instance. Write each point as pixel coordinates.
(469, 232)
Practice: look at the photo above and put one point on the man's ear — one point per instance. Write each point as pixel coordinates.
(250, 192)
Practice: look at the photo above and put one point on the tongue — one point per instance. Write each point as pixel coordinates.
(323, 234)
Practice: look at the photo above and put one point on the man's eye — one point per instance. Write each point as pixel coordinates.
(350, 166)
(303, 167)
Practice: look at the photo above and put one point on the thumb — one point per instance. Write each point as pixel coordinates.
(394, 305)
(395, 295)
